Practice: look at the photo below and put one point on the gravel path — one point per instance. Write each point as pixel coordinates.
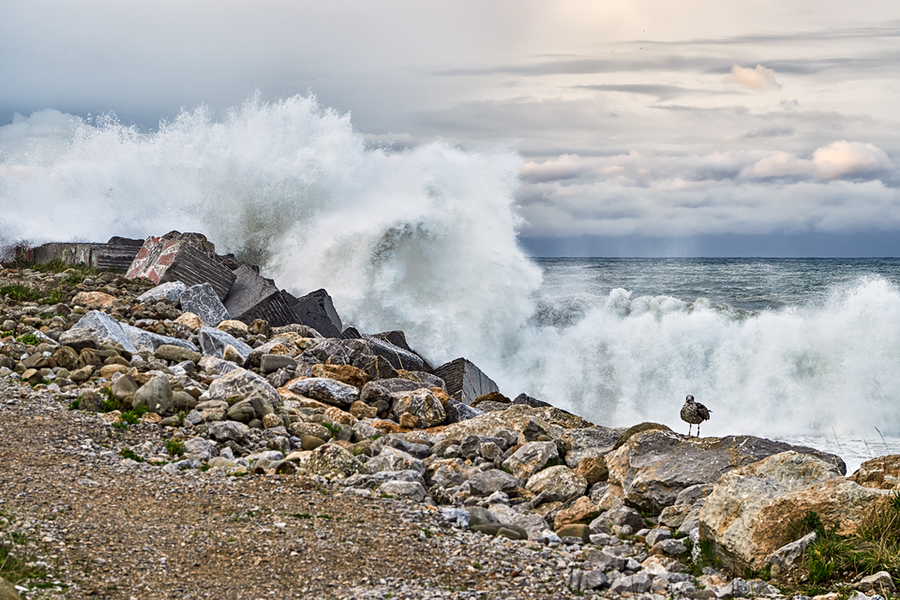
(106, 527)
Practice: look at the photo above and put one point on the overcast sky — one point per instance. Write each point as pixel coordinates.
(646, 127)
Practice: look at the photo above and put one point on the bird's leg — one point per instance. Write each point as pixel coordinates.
(689, 429)
(698, 429)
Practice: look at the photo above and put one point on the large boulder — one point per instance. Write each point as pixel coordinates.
(654, 465)
(156, 395)
(214, 341)
(465, 382)
(317, 311)
(560, 482)
(104, 329)
(242, 383)
(325, 390)
(750, 512)
(589, 442)
(422, 404)
(171, 291)
(531, 458)
(333, 462)
(202, 301)
(882, 472)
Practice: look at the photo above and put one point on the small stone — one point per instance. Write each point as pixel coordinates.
(174, 353)
(408, 421)
(94, 300)
(880, 582)
(583, 511)
(190, 320)
(576, 530)
(272, 420)
(361, 410)
(232, 355)
(310, 442)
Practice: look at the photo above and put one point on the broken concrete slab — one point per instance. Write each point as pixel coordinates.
(187, 257)
(255, 297)
(115, 255)
(465, 382)
(203, 302)
(317, 310)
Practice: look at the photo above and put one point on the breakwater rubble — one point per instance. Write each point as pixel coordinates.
(190, 430)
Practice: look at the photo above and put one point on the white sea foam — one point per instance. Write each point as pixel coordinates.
(425, 241)
(786, 372)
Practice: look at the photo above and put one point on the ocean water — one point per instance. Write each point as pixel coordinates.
(425, 240)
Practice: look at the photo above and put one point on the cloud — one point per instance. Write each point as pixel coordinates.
(849, 158)
(836, 160)
(759, 78)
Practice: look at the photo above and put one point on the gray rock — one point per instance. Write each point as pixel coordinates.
(736, 588)
(560, 482)
(465, 382)
(171, 290)
(214, 341)
(317, 311)
(658, 535)
(484, 483)
(225, 431)
(655, 465)
(638, 583)
(175, 353)
(448, 472)
(254, 297)
(156, 395)
(325, 390)
(391, 459)
(580, 581)
(198, 448)
(671, 547)
(457, 411)
(332, 461)
(242, 383)
(531, 458)
(149, 341)
(619, 517)
(203, 301)
(880, 582)
(589, 442)
(78, 339)
(404, 489)
(481, 516)
(105, 329)
(383, 389)
(269, 363)
(786, 556)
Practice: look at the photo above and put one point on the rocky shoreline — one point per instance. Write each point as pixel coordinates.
(370, 473)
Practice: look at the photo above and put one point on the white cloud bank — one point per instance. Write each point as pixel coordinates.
(838, 159)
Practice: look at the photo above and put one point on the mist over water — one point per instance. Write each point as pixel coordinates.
(425, 241)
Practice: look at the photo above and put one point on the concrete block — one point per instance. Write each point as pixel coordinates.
(188, 257)
(465, 382)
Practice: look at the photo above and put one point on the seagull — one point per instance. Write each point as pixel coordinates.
(694, 413)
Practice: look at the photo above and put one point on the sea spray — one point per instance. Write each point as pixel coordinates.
(422, 240)
(793, 371)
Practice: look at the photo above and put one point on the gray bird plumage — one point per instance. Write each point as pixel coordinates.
(694, 413)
